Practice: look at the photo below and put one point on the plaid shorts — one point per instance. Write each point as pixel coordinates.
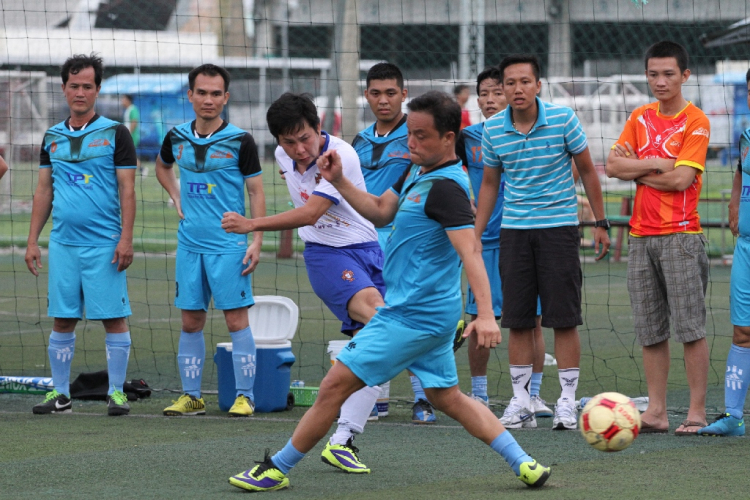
(667, 279)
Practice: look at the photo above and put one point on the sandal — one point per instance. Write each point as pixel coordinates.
(686, 424)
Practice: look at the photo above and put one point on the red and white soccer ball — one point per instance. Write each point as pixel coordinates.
(610, 422)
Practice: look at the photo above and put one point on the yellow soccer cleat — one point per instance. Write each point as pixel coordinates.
(242, 407)
(534, 474)
(186, 405)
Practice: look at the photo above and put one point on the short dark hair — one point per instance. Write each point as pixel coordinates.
(444, 110)
(129, 97)
(459, 88)
(512, 59)
(208, 70)
(76, 63)
(747, 76)
(491, 73)
(385, 71)
(289, 113)
(667, 48)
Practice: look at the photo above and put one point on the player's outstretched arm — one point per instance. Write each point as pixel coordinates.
(40, 211)
(486, 200)
(590, 180)
(306, 215)
(3, 167)
(734, 203)
(488, 333)
(168, 180)
(257, 210)
(380, 210)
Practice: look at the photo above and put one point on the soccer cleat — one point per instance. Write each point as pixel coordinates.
(458, 339)
(566, 415)
(423, 413)
(484, 400)
(117, 404)
(186, 405)
(539, 406)
(242, 407)
(263, 477)
(534, 474)
(54, 402)
(516, 416)
(725, 425)
(344, 457)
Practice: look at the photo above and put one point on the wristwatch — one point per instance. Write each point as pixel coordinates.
(603, 223)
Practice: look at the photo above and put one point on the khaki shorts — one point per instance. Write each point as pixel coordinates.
(667, 279)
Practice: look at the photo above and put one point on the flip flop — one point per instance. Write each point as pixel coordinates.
(689, 423)
(650, 429)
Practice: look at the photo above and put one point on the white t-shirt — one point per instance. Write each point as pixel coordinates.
(341, 225)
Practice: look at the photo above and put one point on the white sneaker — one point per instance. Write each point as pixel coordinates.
(566, 415)
(517, 417)
(485, 402)
(540, 407)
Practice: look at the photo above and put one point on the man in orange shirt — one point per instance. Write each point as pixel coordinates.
(663, 149)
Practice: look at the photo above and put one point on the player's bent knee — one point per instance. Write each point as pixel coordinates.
(115, 325)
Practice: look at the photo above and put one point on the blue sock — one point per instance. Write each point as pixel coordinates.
(737, 378)
(62, 347)
(536, 383)
(511, 451)
(479, 386)
(118, 352)
(243, 359)
(191, 357)
(287, 458)
(416, 386)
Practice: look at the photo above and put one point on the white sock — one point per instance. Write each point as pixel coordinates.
(569, 382)
(520, 375)
(354, 413)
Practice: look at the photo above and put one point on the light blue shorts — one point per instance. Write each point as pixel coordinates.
(198, 276)
(85, 278)
(739, 293)
(491, 257)
(385, 347)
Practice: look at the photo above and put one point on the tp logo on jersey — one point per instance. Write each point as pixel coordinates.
(201, 190)
(79, 180)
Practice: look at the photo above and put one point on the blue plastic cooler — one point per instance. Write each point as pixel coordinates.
(273, 321)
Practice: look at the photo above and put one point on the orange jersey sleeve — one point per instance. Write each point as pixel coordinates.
(695, 140)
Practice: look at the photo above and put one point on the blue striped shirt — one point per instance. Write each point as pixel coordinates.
(539, 187)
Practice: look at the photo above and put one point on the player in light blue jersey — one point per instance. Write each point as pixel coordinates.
(342, 255)
(737, 376)
(86, 180)
(533, 143)
(491, 100)
(217, 163)
(384, 156)
(432, 235)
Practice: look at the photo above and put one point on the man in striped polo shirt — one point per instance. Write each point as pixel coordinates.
(533, 143)
(663, 149)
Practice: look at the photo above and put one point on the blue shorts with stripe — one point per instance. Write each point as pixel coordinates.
(198, 276)
(85, 278)
(336, 274)
(385, 347)
(739, 293)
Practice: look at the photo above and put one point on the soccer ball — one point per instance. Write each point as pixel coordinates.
(610, 421)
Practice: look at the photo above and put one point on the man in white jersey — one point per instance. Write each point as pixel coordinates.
(343, 258)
